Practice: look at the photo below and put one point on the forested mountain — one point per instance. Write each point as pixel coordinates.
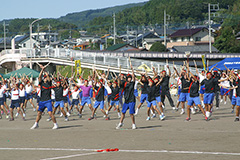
(180, 11)
(81, 18)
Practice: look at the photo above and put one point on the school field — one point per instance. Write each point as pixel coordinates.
(173, 138)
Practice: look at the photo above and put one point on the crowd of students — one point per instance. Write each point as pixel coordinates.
(121, 92)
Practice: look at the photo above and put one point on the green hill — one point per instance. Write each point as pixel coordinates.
(81, 18)
(151, 13)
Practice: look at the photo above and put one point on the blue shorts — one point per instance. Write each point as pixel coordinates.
(75, 102)
(65, 100)
(208, 98)
(97, 103)
(15, 103)
(80, 95)
(38, 99)
(183, 97)
(179, 90)
(91, 92)
(152, 103)
(238, 101)
(158, 99)
(59, 103)
(135, 92)
(29, 96)
(192, 100)
(224, 92)
(130, 106)
(109, 98)
(234, 100)
(202, 89)
(114, 102)
(143, 98)
(4, 97)
(85, 100)
(1, 101)
(45, 104)
(21, 100)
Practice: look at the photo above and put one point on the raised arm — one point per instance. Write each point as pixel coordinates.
(169, 71)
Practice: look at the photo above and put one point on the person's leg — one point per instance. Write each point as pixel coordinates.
(39, 116)
(19, 111)
(217, 99)
(132, 118)
(237, 113)
(31, 101)
(170, 99)
(52, 117)
(188, 112)
(122, 118)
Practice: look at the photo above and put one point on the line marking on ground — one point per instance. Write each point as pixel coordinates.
(132, 151)
(71, 156)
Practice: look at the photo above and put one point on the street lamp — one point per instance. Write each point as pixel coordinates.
(30, 27)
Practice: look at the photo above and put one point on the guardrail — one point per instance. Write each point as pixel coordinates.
(94, 58)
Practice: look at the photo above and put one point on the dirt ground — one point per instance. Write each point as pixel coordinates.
(79, 138)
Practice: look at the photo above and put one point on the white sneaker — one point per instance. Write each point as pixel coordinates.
(183, 112)
(34, 109)
(193, 111)
(162, 117)
(154, 115)
(163, 107)
(136, 112)
(134, 126)
(68, 114)
(7, 116)
(55, 126)
(221, 100)
(35, 126)
(119, 115)
(49, 119)
(106, 112)
(24, 115)
(66, 119)
(225, 102)
(17, 114)
(174, 108)
(119, 125)
(61, 115)
(148, 119)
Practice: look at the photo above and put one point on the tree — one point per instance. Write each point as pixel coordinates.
(158, 47)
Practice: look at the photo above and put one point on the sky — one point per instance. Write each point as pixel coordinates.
(53, 8)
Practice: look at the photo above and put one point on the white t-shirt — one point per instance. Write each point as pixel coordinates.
(225, 83)
(75, 94)
(52, 94)
(14, 94)
(39, 92)
(179, 82)
(2, 90)
(22, 92)
(65, 92)
(201, 77)
(135, 85)
(29, 89)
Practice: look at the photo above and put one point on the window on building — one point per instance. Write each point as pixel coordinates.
(188, 38)
(174, 39)
(198, 39)
(182, 39)
(24, 45)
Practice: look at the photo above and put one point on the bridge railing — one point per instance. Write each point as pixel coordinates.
(91, 57)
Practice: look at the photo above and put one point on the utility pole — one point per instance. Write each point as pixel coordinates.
(165, 29)
(215, 7)
(127, 35)
(4, 39)
(49, 31)
(114, 28)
